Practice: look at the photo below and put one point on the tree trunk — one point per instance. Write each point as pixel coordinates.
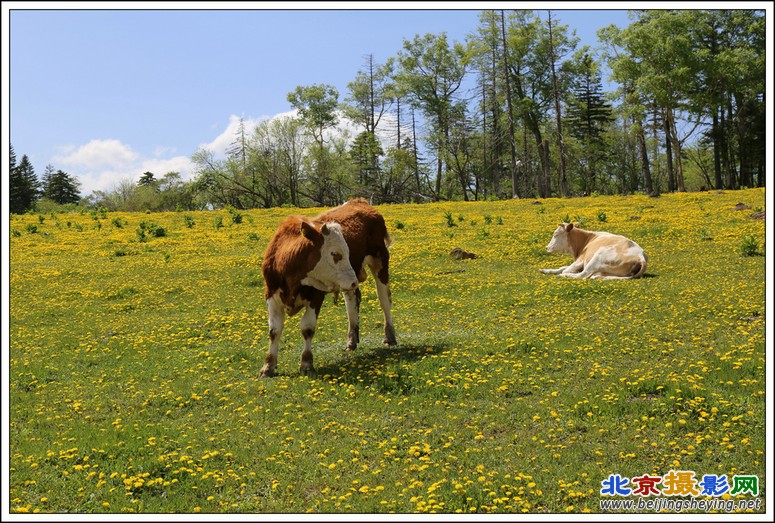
(730, 151)
(669, 154)
(496, 141)
(716, 134)
(644, 162)
(398, 122)
(506, 67)
(486, 165)
(416, 161)
(679, 171)
(561, 145)
(544, 181)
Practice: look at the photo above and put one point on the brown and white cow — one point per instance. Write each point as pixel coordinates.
(308, 258)
(596, 254)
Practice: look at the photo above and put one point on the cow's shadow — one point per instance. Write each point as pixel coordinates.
(377, 366)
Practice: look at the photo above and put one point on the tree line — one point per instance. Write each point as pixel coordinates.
(516, 110)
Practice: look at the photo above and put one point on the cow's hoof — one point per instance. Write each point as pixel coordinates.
(351, 346)
(266, 373)
(390, 336)
(307, 371)
(543, 271)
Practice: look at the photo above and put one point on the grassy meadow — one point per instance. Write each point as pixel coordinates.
(136, 342)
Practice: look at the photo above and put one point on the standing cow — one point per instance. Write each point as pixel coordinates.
(308, 258)
(596, 254)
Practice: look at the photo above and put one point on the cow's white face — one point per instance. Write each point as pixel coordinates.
(559, 243)
(333, 271)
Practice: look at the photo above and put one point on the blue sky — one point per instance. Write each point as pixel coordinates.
(108, 94)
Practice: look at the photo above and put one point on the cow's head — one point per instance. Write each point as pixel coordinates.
(560, 242)
(333, 271)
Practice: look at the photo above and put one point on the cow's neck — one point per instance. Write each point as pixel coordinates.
(578, 240)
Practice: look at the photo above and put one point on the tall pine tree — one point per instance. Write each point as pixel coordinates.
(24, 187)
(588, 116)
(62, 188)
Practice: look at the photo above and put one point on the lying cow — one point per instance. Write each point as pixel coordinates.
(596, 254)
(308, 258)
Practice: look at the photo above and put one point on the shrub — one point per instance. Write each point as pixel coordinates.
(236, 216)
(399, 225)
(601, 216)
(450, 220)
(153, 229)
(749, 246)
(188, 220)
(31, 228)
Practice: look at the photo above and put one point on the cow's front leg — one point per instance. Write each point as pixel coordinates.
(352, 300)
(554, 271)
(308, 324)
(568, 270)
(577, 270)
(276, 325)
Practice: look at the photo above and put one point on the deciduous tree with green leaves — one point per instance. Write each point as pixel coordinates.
(432, 69)
(317, 106)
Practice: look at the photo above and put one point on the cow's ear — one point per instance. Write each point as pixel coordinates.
(308, 231)
(568, 227)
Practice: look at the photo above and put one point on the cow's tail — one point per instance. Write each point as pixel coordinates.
(641, 266)
(388, 240)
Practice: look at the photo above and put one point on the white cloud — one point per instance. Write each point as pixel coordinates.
(101, 164)
(223, 141)
(99, 154)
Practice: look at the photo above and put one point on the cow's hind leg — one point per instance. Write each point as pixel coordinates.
(352, 300)
(276, 325)
(379, 269)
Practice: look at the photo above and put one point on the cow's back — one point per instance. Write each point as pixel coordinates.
(363, 228)
(622, 245)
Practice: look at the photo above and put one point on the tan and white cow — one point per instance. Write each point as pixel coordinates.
(307, 258)
(596, 254)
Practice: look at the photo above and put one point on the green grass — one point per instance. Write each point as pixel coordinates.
(134, 388)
